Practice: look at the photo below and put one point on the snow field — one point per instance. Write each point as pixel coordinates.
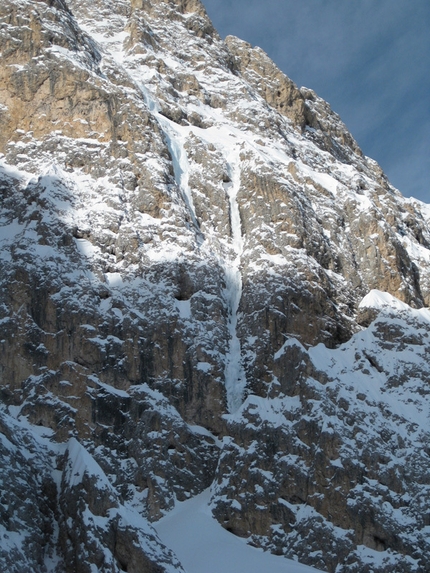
(202, 545)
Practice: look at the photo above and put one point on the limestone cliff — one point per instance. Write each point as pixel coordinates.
(186, 242)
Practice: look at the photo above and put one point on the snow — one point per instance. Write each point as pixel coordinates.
(114, 279)
(415, 250)
(15, 173)
(323, 179)
(200, 430)
(80, 463)
(401, 406)
(381, 559)
(85, 247)
(202, 545)
(9, 231)
(108, 388)
(269, 411)
(287, 344)
(184, 308)
(378, 300)
(204, 367)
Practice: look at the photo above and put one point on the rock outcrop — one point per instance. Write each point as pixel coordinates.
(186, 241)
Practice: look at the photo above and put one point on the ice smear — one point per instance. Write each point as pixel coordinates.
(235, 379)
(175, 138)
(203, 546)
(175, 144)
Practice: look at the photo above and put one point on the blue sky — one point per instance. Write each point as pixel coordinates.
(370, 59)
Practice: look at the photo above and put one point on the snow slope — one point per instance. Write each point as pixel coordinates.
(203, 546)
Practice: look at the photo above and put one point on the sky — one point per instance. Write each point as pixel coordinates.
(370, 59)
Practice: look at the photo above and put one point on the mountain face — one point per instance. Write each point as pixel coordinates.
(205, 284)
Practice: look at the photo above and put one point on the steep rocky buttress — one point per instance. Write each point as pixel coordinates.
(205, 284)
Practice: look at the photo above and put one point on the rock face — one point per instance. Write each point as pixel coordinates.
(188, 243)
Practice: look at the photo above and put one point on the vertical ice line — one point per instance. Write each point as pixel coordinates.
(173, 135)
(175, 144)
(235, 379)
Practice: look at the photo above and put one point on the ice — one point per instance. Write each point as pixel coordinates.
(235, 380)
(175, 137)
(175, 142)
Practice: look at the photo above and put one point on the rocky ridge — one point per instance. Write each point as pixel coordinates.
(188, 244)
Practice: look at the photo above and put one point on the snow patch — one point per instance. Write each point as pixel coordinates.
(80, 463)
(184, 308)
(85, 248)
(114, 279)
(379, 300)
